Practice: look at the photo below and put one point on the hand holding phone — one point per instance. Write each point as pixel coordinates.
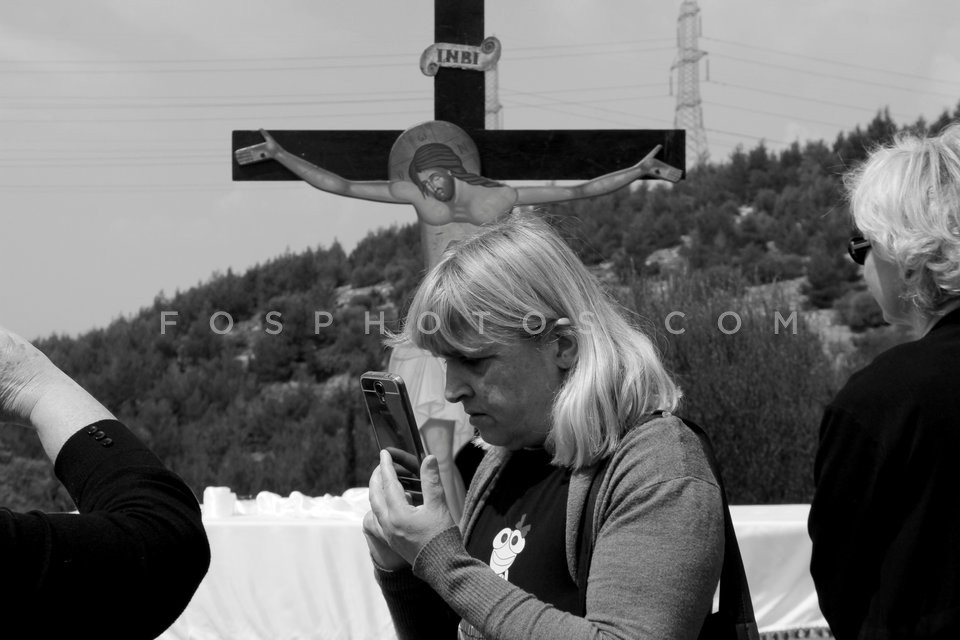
(395, 428)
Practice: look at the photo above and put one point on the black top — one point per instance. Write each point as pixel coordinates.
(885, 518)
(521, 531)
(125, 567)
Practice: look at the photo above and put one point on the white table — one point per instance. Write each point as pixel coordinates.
(292, 572)
(299, 570)
(776, 556)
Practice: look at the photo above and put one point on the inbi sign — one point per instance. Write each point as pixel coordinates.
(460, 56)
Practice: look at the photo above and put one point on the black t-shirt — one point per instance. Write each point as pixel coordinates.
(521, 530)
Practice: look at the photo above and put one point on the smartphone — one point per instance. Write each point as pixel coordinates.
(394, 427)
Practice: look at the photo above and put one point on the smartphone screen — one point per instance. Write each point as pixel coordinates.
(394, 426)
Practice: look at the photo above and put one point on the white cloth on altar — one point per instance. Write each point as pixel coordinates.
(776, 552)
(351, 505)
(297, 567)
(288, 568)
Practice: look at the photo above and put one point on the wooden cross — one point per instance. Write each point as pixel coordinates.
(569, 154)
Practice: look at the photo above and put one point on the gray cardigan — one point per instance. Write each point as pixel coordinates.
(659, 547)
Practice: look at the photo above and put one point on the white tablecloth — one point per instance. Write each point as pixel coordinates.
(297, 568)
(776, 555)
(294, 568)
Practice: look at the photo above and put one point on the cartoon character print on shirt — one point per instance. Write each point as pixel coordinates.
(507, 545)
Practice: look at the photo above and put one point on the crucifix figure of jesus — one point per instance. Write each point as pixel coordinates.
(450, 198)
(453, 172)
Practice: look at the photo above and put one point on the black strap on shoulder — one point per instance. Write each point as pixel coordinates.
(736, 607)
(585, 552)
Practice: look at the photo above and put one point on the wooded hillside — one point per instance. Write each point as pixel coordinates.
(273, 402)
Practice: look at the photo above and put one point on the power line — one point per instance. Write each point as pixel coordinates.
(774, 113)
(211, 105)
(797, 97)
(272, 116)
(555, 109)
(833, 62)
(41, 161)
(111, 98)
(308, 66)
(129, 163)
(74, 61)
(556, 102)
(835, 77)
(113, 188)
(592, 44)
(307, 99)
(747, 135)
(591, 102)
(423, 93)
(148, 186)
(607, 88)
(581, 54)
(201, 69)
(361, 56)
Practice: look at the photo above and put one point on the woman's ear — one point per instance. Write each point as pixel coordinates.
(567, 350)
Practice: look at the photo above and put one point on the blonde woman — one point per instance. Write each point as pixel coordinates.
(885, 521)
(555, 380)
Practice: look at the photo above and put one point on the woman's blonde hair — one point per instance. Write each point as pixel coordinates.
(905, 198)
(512, 282)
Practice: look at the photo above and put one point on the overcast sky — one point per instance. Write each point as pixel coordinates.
(117, 114)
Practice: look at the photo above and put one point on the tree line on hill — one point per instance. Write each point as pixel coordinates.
(250, 381)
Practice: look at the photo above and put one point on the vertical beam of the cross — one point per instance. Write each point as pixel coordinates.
(458, 95)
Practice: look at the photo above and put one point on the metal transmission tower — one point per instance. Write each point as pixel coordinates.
(689, 114)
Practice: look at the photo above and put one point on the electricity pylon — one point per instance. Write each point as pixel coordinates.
(689, 113)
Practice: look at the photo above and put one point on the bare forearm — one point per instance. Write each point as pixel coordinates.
(35, 393)
(63, 409)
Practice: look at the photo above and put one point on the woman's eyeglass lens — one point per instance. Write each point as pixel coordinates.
(858, 248)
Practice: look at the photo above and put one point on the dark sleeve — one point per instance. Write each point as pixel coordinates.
(416, 609)
(125, 567)
(845, 523)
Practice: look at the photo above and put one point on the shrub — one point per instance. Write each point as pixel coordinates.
(829, 275)
(773, 267)
(366, 275)
(758, 391)
(859, 311)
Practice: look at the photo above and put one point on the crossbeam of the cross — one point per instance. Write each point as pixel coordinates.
(459, 98)
(563, 154)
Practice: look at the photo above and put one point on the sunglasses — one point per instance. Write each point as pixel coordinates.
(858, 248)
